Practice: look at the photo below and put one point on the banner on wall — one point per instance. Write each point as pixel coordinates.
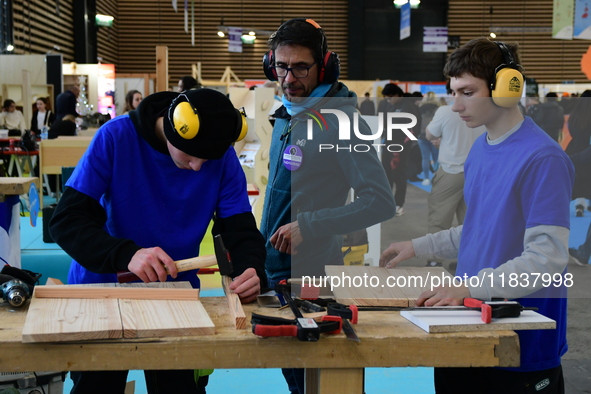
(405, 21)
(435, 39)
(106, 89)
(562, 19)
(582, 26)
(234, 39)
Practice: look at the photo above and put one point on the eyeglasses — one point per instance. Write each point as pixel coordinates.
(298, 72)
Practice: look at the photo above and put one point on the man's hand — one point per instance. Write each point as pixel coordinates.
(395, 253)
(287, 238)
(247, 286)
(441, 296)
(149, 265)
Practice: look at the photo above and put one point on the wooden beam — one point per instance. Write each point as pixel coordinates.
(27, 108)
(53, 282)
(161, 68)
(236, 310)
(11, 186)
(129, 293)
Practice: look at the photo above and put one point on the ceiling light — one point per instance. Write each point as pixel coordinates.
(10, 47)
(104, 20)
(248, 39)
(413, 3)
(251, 33)
(492, 35)
(221, 33)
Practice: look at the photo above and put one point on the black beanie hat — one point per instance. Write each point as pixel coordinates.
(205, 124)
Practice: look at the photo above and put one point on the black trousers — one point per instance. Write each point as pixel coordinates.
(498, 381)
(157, 382)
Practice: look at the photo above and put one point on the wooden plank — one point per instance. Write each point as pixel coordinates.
(234, 304)
(343, 380)
(61, 152)
(135, 293)
(10, 186)
(53, 282)
(459, 321)
(129, 318)
(382, 334)
(378, 286)
(51, 320)
(162, 318)
(161, 68)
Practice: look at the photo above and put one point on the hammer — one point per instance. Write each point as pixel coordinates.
(221, 258)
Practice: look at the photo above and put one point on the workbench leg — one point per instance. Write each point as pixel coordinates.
(334, 380)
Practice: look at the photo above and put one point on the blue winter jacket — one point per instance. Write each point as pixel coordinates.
(317, 193)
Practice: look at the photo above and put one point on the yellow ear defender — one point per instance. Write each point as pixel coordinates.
(507, 86)
(242, 124)
(186, 120)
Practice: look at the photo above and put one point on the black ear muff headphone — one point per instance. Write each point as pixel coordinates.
(507, 85)
(330, 66)
(186, 122)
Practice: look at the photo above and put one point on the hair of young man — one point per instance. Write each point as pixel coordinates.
(479, 58)
(189, 82)
(300, 32)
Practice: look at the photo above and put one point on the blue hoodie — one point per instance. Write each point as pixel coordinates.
(316, 193)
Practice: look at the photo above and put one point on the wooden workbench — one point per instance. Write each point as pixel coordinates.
(334, 364)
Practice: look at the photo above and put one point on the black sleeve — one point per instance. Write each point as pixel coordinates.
(244, 242)
(34, 127)
(77, 226)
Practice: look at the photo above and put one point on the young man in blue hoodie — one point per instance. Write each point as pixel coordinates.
(518, 184)
(144, 194)
(312, 170)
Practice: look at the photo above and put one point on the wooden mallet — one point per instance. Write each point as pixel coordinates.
(221, 258)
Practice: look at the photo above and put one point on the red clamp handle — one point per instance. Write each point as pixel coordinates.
(275, 331)
(486, 313)
(485, 309)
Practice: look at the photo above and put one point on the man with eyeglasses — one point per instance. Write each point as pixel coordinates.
(144, 194)
(312, 170)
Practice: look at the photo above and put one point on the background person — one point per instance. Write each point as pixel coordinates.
(11, 118)
(65, 103)
(188, 83)
(42, 116)
(132, 100)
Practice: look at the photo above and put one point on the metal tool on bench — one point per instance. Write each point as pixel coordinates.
(348, 313)
(221, 258)
(304, 329)
(15, 292)
(16, 285)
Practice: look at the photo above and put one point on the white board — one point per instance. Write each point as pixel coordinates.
(469, 320)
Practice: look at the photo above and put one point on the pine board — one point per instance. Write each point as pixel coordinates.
(160, 318)
(164, 318)
(73, 319)
(382, 295)
(458, 321)
(54, 320)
